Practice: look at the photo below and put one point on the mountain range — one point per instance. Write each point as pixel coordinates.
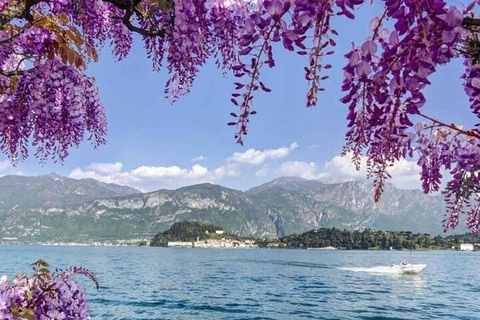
(55, 208)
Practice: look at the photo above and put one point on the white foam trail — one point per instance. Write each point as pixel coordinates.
(377, 269)
(392, 269)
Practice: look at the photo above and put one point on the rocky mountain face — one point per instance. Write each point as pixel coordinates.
(59, 208)
(295, 205)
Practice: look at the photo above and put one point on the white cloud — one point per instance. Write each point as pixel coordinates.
(174, 172)
(306, 170)
(241, 165)
(229, 170)
(405, 174)
(200, 158)
(341, 168)
(152, 177)
(262, 173)
(117, 177)
(256, 157)
(144, 177)
(106, 168)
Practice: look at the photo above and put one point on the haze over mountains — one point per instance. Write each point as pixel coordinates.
(54, 208)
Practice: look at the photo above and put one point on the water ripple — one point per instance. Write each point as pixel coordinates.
(171, 284)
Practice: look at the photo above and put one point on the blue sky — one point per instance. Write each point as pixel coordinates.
(152, 144)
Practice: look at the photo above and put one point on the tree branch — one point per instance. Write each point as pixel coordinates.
(471, 22)
(17, 11)
(130, 7)
(9, 39)
(120, 4)
(144, 32)
(26, 12)
(470, 133)
(15, 73)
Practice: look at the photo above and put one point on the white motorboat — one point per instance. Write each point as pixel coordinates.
(407, 268)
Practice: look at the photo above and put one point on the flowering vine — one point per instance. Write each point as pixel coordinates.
(384, 81)
(45, 295)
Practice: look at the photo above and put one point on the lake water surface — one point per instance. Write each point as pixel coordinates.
(181, 284)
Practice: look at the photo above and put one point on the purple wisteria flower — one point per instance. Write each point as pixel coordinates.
(45, 296)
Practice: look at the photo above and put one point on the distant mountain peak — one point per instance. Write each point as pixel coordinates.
(289, 179)
(287, 183)
(201, 185)
(340, 180)
(205, 188)
(53, 175)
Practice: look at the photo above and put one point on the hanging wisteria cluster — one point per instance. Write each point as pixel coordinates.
(384, 82)
(47, 100)
(45, 295)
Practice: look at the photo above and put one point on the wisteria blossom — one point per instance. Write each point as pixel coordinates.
(44, 295)
(47, 100)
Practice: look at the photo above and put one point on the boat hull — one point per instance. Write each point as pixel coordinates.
(408, 269)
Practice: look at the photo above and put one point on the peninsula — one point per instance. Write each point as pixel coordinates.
(194, 234)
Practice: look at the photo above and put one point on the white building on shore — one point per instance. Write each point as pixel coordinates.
(182, 244)
(213, 243)
(466, 247)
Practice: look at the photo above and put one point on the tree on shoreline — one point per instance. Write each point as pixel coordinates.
(47, 100)
(374, 239)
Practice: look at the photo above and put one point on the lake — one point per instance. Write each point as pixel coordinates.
(163, 283)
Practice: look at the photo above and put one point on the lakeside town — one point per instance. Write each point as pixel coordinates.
(12, 241)
(193, 234)
(214, 242)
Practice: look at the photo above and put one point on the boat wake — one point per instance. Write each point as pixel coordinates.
(392, 269)
(378, 269)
